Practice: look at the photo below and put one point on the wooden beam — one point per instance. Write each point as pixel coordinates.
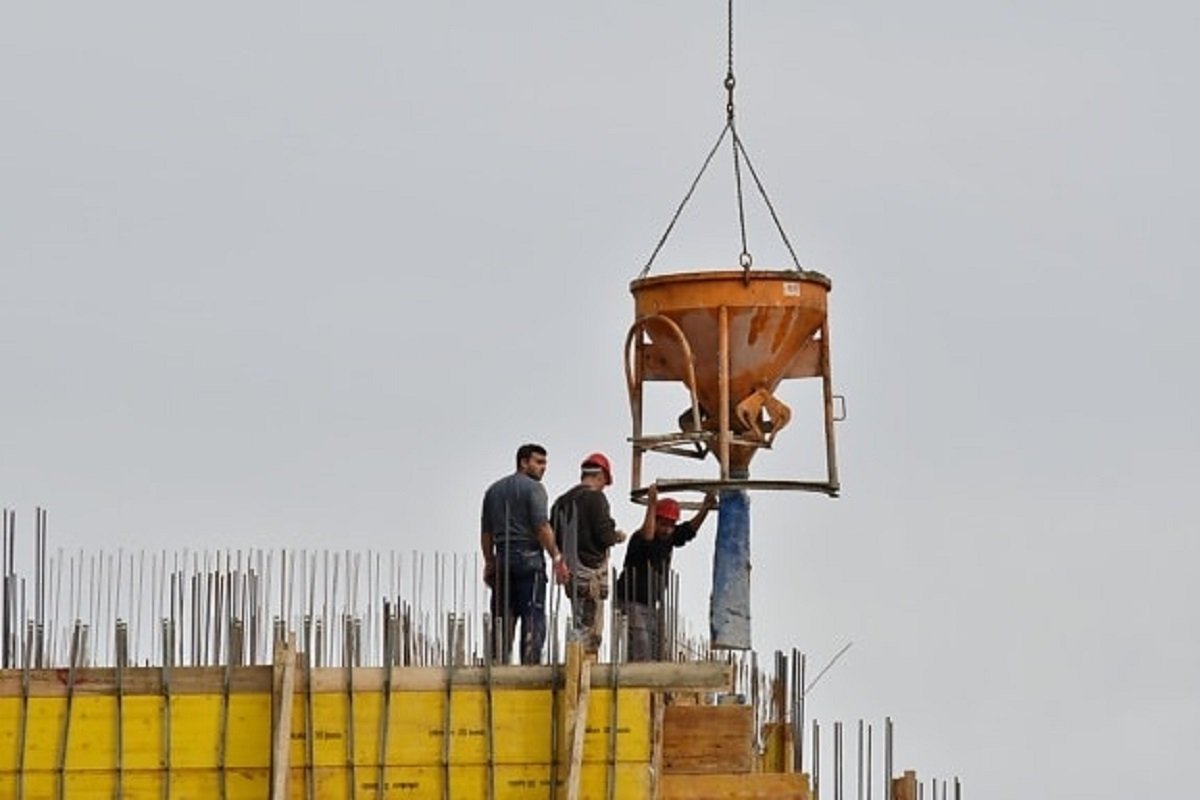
(755, 786)
(284, 673)
(779, 748)
(699, 676)
(579, 682)
(137, 681)
(696, 676)
(905, 787)
(657, 704)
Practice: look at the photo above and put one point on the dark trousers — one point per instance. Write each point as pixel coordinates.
(519, 597)
(644, 641)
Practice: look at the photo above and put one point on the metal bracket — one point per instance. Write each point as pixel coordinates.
(716, 484)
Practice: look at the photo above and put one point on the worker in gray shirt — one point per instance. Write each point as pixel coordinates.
(514, 530)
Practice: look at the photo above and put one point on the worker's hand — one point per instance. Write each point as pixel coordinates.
(489, 572)
(621, 536)
(562, 573)
(710, 499)
(652, 494)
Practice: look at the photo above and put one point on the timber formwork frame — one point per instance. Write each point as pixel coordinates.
(291, 730)
(576, 731)
(224, 698)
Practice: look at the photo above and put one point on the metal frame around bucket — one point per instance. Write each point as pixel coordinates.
(811, 361)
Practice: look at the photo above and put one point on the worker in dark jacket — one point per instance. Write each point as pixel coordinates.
(643, 580)
(585, 530)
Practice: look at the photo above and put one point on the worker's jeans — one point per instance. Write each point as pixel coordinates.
(642, 621)
(520, 597)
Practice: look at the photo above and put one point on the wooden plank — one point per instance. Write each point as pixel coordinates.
(658, 702)
(137, 680)
(284, 670)
(905, 787)
(779, 748)
(708, 739)
(697, 676)
(579, 684)
(570, 701)
(758, 786)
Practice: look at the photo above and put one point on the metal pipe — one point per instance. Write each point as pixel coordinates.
(635, 379)
(816, 760)
(859, 773)
(837, 761)
(887, 756)
(803, 694)
(723, 434)
(870, 762)
(827, 395)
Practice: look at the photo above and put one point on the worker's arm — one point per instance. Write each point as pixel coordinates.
(603, 526)
(647, 529)
(487, 540)
(710, 501)
(540, 516)
(487, 543)
(545, 535)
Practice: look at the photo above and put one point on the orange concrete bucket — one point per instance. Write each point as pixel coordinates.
(730, 337)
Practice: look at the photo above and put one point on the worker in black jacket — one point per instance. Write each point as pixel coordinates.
(643, 580)
(585, 530)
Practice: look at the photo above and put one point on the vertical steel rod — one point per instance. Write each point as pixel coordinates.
(827, 396)
(723, 435)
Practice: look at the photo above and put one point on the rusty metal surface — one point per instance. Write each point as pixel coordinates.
(730, 337)
(771, 317)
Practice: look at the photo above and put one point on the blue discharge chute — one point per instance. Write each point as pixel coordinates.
(729, 609)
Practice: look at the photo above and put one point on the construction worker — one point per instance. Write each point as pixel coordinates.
(514, 531)
(585, 531)
(643, 580)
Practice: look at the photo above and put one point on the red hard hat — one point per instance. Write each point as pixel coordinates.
(667, 508)
(599, 461)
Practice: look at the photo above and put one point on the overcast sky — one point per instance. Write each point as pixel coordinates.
(282, 275)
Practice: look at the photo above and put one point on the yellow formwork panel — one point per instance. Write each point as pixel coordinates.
(511, 782)
(10, 719)
(43, 730)
(142, 785)
(45, 716)
(521, 724)
(633, 722)
(521, 730)
(92, 738)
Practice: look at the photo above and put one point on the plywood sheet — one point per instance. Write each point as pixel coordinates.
(512, 782)
(416, 722)
(708, 739)
(758, 786)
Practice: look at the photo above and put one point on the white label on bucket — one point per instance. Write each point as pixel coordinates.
(791, 290)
